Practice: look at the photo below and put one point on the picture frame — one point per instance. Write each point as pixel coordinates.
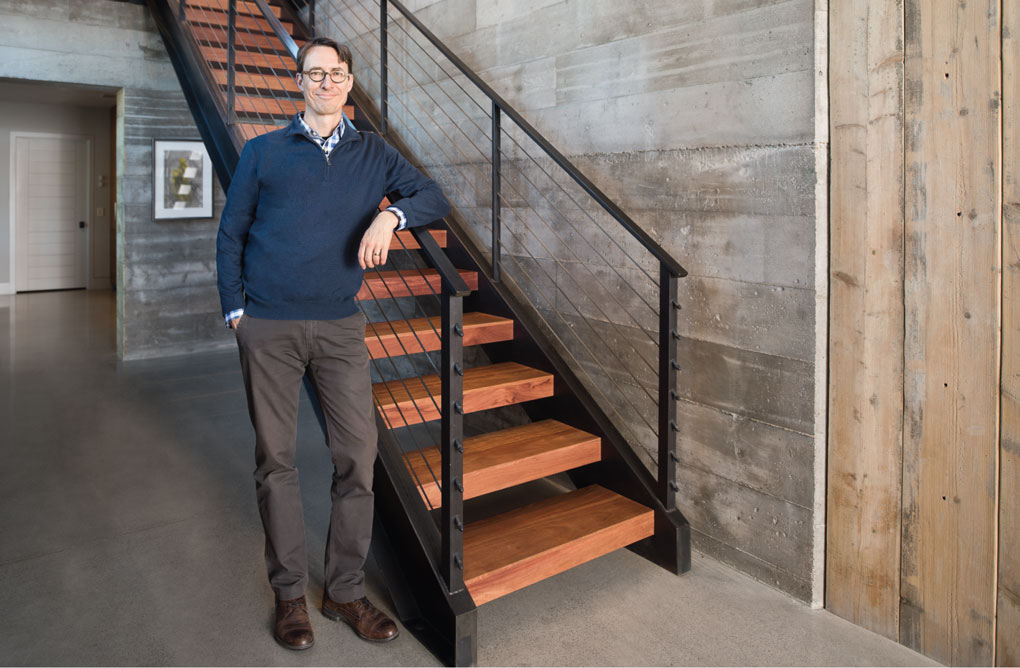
(181, 180)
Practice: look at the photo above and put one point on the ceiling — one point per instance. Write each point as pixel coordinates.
(57, 93)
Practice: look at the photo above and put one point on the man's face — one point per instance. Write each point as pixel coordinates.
(324, 98)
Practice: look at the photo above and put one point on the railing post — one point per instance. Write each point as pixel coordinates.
(668, 367)
(383, 69)
(231, 36)
(311, 16)
(497, 203)
(452, 441)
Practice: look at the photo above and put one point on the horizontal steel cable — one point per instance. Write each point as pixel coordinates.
(548, 225)
(652, 368)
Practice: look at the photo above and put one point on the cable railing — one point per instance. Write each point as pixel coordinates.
(607, 301)
(541, 227)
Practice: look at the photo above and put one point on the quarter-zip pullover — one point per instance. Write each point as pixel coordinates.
(294, 217)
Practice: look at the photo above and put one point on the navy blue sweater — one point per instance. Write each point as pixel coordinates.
(290, 230)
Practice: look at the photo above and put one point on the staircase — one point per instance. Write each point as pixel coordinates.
(235, 62)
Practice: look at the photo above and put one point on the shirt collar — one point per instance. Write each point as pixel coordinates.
(338, 132)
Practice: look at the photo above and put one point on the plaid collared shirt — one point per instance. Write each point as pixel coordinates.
(329, 143)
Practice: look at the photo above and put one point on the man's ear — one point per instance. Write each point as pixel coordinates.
(297, 78)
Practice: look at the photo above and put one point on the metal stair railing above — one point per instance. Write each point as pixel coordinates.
(448, 299)
(551, 233)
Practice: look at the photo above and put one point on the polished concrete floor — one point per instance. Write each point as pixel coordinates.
(129, 535)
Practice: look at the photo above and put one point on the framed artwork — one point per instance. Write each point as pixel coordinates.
(182, 179)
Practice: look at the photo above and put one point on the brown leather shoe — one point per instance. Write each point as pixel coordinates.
(368, 621)
(293, 628)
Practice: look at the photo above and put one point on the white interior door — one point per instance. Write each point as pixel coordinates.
(51, 212)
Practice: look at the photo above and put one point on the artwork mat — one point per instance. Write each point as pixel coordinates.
(162, 149)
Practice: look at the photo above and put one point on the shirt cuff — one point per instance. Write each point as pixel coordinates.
(402, 225)
(236, 313)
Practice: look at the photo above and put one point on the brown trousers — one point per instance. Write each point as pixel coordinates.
(274, 357)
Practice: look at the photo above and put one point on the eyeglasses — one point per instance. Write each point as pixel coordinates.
(337, 76)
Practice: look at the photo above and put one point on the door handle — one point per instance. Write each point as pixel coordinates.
(82, 225)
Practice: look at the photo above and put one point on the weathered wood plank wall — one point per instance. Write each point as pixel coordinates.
(951, 351)
(921, 318)
(1008, 600)
(866, 317)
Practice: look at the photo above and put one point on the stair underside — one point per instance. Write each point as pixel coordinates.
(510, 551)
(415, 400)
(391, 283)
(406, 337)
(509, 457)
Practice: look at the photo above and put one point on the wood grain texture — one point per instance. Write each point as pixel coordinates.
(405, 337)
(250, 130)
(404, 240)
(1007, 617)
(247, 8)
(281, 62)
(243, 40)
(509, 457)
(952, 320)
(406, 283)
(513, 550)
(866, 314)
(415, 400)
(272, 83)
(264, 106)
(244, 21)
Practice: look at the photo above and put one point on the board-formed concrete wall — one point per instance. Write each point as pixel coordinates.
(166, 292)
(701, 120)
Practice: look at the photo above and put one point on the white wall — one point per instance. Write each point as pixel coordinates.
(92, 122)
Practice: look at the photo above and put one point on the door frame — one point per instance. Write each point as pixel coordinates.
(12, 286)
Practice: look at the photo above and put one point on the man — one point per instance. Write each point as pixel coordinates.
(300, 226)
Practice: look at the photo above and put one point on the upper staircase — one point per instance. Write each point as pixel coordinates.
(450, 339)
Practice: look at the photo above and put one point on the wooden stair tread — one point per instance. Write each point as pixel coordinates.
(502, 459)
(249, 8)
(284, 106)
(404, 240)
(510, 551)
(393, 283)
(251, 130)
(405, 337)
(278, 61)
(243, 40)
(413, 400)
(259, 81)
(220, 18)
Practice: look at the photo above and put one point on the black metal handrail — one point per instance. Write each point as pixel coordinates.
(670, 269)
(561, 160)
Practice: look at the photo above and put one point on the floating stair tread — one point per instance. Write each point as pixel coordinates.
(405, 337)
(243, 40)
(510, 551)
(251, 130)
(220, 18)
(273, 83)
(249, 8)
(268, 105)
(278, 61)
(514, 456)
(404, 240)
(414, 400)
(406, 283)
